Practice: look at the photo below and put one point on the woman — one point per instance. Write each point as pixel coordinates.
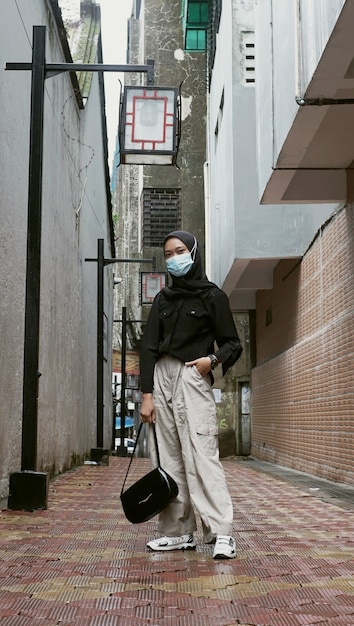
(176, 362)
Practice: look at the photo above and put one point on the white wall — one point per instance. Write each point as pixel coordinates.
(291, 36)
(241, 228)
(221, 154)
(74, 216)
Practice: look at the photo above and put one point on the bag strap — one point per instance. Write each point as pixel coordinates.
(136, 442)
(156, 445)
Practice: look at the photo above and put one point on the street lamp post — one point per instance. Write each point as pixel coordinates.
(28, 488)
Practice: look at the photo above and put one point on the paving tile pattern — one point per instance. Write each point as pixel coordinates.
(80, 563)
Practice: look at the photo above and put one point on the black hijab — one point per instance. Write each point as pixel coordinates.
(195, 281)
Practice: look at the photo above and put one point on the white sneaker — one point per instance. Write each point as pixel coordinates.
(185, 542)
(225, 547)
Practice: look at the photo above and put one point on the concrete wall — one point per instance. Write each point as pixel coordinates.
(291, 37)
(302, 406)
(75, 215)
(221, 156)
(174, 67)
(238, 224)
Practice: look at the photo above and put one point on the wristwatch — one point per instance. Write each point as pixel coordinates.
(214, 361)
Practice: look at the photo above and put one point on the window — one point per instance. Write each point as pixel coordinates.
(216, 134)
(219, 118)
(196, 24)
(197, 12)
(221, 105)
(161, 214)
(195, 39)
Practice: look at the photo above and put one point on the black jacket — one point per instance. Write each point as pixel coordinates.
(186, 327)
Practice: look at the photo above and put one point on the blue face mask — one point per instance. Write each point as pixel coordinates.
(179, 264)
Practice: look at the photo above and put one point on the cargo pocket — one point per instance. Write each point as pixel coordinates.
(208, 438)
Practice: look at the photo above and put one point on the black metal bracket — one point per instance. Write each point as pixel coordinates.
(110, 261)
(318, 102)
(53, 69)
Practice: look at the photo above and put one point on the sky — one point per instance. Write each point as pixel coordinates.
(114, 16)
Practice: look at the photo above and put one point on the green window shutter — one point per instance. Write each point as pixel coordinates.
(195, 39)
(197, 17)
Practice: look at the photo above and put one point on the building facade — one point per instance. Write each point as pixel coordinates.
(305, 152)
(76, 212)
(279, 205)
(269, 195)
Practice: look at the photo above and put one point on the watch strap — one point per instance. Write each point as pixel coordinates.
(214, 361)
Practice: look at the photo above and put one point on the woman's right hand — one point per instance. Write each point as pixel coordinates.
(147, 411)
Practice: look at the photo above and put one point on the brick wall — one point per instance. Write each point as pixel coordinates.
(303, 383)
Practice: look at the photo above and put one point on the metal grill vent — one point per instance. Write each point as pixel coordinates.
(161, 214)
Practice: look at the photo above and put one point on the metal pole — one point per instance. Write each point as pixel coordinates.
(58, 68)
(100, 364)
(122, 449)
(33, 269)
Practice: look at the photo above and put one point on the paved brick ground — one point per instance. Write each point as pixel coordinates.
(80, 563)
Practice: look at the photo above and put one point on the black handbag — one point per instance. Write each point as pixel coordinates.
(151, 493)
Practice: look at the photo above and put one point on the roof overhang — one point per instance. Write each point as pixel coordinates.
(245, 278)
(318, 151)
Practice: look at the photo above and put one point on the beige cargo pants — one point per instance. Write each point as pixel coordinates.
(187, 433)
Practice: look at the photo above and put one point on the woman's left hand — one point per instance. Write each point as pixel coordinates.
(203, 365)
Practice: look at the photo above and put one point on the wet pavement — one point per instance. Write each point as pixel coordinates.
(80, 563)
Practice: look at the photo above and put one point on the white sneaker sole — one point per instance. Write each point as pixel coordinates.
(152, 545)
(222, 555)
